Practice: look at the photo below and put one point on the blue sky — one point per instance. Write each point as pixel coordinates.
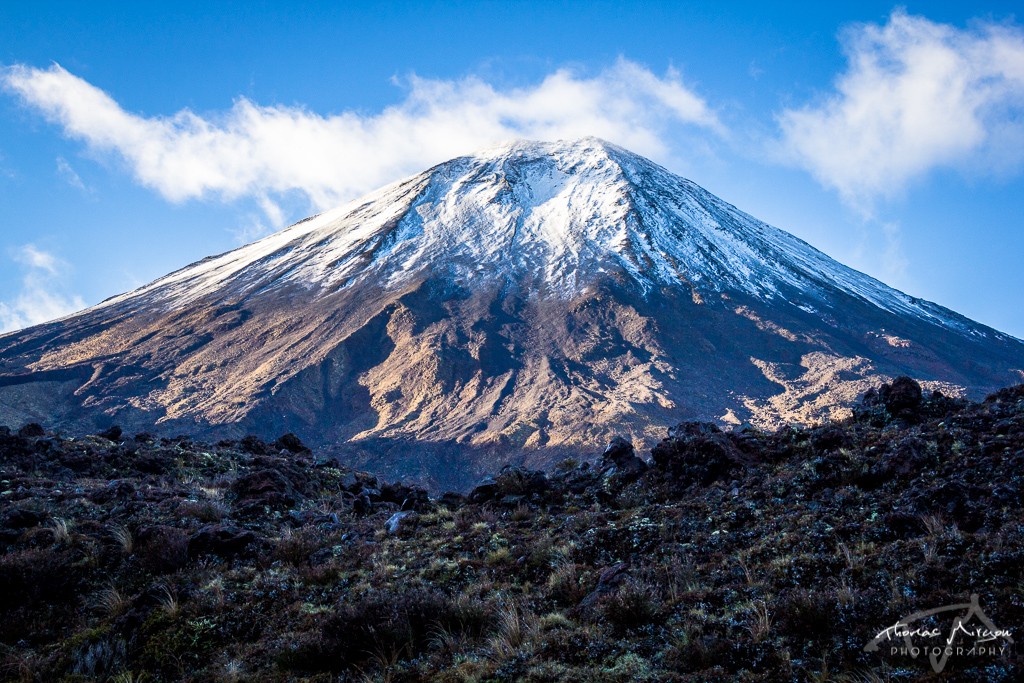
(891, 137)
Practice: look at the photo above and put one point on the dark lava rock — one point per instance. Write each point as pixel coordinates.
(15, 521)
(610, 579)
(958, 503)
(809, 538)
(830, 438)
(940, 406)
(406, 497)
(357, 482)
(116, 489)
(452, 500)
(620, 461)
(901, 399)
(1012, 394)
(48, 447)
(161, 548)
(903, 524)
(757, 445)
(111, 434)
(832, 468)
(519, 481)
(254, 445)
(617, 451)
(32, 430)
(295, 468)
(362, 505)
(267, 488)
(697, 453)
(366, 480)
(907, 458)
(401, 521)
(486, 490)
(77, 462)
(150, 463)
(223, 540)
(580, 479)
(418, 499)
(20, 518)
(290, 443)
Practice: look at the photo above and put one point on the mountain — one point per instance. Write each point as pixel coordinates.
(524, 303)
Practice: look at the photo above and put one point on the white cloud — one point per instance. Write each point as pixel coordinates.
(917, 95)
(35, 258)
(265, 152)
(5, 172)
(894, 259)
(70, 175)
(42, 296)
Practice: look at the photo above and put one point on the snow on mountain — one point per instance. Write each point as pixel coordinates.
(565, 212)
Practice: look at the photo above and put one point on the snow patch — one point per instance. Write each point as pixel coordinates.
(562, 215)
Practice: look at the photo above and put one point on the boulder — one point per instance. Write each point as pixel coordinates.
(697, 453)
(151, 463)
(291, 443)
(362, 505)
(580, 479)
(621, 462)
(266, 487)
(223, 540)
(254, 445)
(452, 500)
(21, 518)
(401, 521)
(609, 580)
(15, 521)
(514, 480)
(902, 398)
(112, 433)
(31, 430)
(406, 497)
(830, 438)
(484, 491)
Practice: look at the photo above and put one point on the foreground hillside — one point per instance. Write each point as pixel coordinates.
(742, 556)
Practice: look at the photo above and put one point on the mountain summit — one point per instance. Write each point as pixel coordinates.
(526, 302)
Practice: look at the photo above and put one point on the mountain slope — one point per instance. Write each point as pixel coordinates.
(528, 301)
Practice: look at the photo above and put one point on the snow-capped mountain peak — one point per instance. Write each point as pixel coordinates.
(554, 216)
(528, 301)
